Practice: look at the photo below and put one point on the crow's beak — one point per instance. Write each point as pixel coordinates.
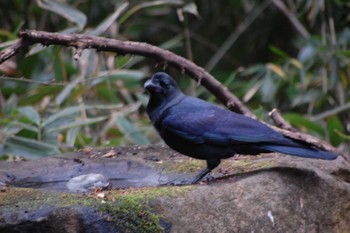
(151, 87)
(148, 84)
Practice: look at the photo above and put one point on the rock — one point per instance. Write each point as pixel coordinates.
(267, 193)
(87, 182)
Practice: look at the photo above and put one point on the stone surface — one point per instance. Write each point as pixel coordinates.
(267, 193)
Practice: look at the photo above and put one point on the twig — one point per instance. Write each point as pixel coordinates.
(331, 112)
(286, 129)
(163, 57)
(25, 80)
(276, 116)
(236, 34)
(319, 143)
(15, 48)
(292, 18)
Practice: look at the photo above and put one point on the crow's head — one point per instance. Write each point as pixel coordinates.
(164, 92)
(162, 85)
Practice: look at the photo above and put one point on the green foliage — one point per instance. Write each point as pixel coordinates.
(50, 103)
(74, 109)
(315, 82)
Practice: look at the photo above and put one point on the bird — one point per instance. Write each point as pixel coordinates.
(205, 131)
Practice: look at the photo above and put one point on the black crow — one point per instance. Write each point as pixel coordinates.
(201, 130)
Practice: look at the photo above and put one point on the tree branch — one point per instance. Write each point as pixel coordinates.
(286, 129)
(163, 57)
(14, 49)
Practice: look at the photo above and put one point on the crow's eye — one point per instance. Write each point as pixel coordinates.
(164, 83)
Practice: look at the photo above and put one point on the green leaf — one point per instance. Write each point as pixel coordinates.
(102, 27)
(147, 4)
(129, 130)
(343, 135)
(306, 53)
(254, 70)
(72, 136)
(67, 112)
(10, 104)
(333, 125)
(59, 66)
(64, 10)
(277, 70)
(278, 52)
(64, 94)
(50, 138)
(39, 93)
(21, 125)
(76, 123)
(142, 98)
(269, 87)
(118, 74)
(29, 148)
(72, 113)
(30, 113)
(191, 8)
(345, 53)
(252, 91)
(299, 121)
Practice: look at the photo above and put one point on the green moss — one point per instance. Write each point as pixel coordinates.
(178, 166)
(132, 215)
(265, 164)
(241, 166)
(131, 209)
(26, 199)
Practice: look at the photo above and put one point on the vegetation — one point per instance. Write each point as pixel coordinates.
(296, 60)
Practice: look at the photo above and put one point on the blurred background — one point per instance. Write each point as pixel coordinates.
(292, 55)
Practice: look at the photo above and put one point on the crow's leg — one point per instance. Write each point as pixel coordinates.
(211, 164)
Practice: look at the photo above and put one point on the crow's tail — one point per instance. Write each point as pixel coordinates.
(301, 151)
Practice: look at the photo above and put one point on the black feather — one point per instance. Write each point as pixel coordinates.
(202, 130)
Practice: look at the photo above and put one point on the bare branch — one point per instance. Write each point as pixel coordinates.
(15, 48)
(276, 116)
(127, 47)
(286, 129)
(164, 58)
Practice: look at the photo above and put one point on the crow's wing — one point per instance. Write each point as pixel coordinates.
(201, 122)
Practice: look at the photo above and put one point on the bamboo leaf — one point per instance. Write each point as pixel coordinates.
(129, 130)
(102, 27)
(68, 112)
(64, 94)
(72, 112)
(299, 121)
(28, 148)
(64, 10)
(30, 114)
(277, 70)
(72, 136)
(76, 123)
(118, 74)
(343, 135)
(191, 8)
(333, 125)
(278, 51)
